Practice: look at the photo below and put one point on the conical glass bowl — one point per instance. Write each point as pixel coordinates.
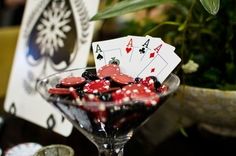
(107, 124)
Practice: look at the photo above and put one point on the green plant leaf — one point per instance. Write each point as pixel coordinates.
(183, 132)
(127, 6)
(211, 6)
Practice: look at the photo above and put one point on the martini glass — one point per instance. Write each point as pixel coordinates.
(108, 125)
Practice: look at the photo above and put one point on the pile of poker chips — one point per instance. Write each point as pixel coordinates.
(132, 98)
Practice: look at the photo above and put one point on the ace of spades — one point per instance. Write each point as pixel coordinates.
(55, 35)
(99, 53)
(99, 57)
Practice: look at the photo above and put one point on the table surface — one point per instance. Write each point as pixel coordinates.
(198, 143)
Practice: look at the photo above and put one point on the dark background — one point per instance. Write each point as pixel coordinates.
(198, 143)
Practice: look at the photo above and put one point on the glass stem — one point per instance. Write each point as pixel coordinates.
(112, 146)
(111, 151)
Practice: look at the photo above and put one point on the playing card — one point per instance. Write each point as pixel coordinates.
(139, 46)
(135, 48)
(156, 45)
(159, 62)
(54, 36)
(110, 52)
(157, 40)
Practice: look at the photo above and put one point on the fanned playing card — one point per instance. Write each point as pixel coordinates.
(55, 35)
(138, 47)
(160, 61)
(137, 56)
(110, 52)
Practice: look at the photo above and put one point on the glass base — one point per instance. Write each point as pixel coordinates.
(112, 152)
(219, 130)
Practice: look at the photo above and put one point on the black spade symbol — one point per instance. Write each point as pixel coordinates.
(12, 109)
(54, 36)
(51, 122)
(99, 57)
(62, 119)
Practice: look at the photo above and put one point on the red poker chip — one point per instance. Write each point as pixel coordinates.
(73, 93)
(98, 111)
(64, 91)
(91, 98)
(136, 92)
(101, 116)
(148, 82)
(108, 70)
(148, 97)
(119, 96)
(101, 113)
(112, 89)
(59, 91)
(97, 86)
(72, 81)
(122, 78)
(125, 93)
(134, 88)
(162, 89)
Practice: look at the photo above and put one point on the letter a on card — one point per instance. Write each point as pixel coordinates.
(157, 49)
(129, 46)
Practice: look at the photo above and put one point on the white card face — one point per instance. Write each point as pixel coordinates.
(54, 36)
(160, 62)
(138, 48)
(157, 44)
(108, 52)
(137, 56)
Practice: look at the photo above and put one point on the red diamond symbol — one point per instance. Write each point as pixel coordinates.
(152, 70)
(152, 55)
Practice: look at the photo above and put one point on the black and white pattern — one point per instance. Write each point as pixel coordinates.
(53, 28)
(54, 37)
(84, 20)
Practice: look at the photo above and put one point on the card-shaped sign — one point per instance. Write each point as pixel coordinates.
(55, 35)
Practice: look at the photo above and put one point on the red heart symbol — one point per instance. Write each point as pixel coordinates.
(128, 50)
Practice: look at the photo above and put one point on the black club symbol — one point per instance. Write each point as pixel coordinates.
(142, 50)
(114, 61)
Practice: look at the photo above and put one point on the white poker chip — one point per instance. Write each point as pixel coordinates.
(23, 149)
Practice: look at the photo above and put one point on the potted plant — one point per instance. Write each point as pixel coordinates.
(205, 40)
